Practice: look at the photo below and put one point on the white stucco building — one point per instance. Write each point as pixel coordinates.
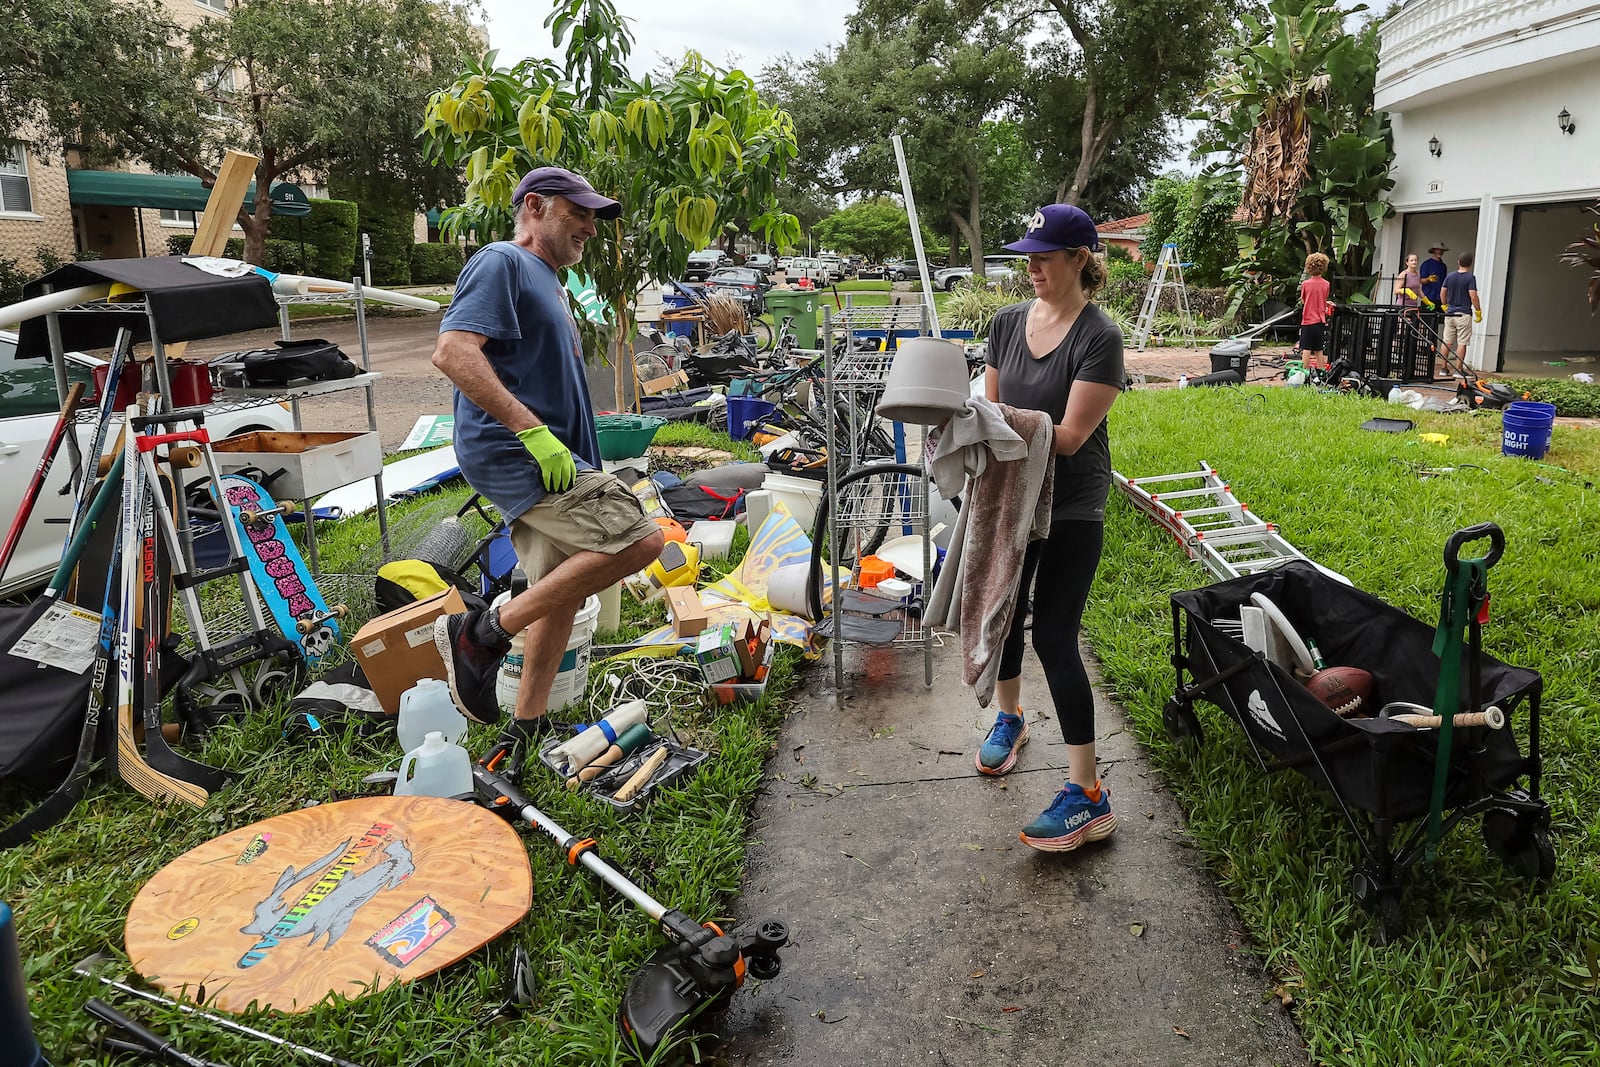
(1485, 162)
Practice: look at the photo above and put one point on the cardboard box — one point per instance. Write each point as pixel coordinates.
(716, 654)
(751, 641)
(666, 383)
(396, 650)
(689, 616)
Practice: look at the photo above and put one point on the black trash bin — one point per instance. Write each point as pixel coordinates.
(1232, 354)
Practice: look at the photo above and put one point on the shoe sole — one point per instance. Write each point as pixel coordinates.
(1011, 760)
(1097, 829)
(444, 646)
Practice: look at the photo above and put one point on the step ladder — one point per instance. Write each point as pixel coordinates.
(1200, 511)
(1168, 275)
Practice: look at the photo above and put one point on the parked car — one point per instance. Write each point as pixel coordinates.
(761, 262)
(28, 411)
(834, 266)
(805, 267)
(996, 269)
(898, 270)
(701, 264)
(745, 283)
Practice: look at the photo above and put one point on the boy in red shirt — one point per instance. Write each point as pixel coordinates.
(1314, 311)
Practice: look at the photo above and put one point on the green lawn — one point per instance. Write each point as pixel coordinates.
(71, 888)
(1492, 972)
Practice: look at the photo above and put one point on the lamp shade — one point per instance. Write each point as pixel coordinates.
(927, 382)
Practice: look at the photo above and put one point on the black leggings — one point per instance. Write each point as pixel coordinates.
(1059, 570)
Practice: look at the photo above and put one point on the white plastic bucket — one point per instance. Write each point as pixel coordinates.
(801, 496)
(572, 676)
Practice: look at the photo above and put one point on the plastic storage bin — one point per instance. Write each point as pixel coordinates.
(626, 436)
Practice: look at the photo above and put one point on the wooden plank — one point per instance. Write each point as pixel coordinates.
(222, 209)
(346, 898)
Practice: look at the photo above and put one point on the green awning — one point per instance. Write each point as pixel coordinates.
(175, 192)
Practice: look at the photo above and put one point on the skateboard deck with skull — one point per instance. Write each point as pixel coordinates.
(280, 573)
(341, 899)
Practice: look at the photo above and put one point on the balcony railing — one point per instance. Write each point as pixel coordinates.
(1426, 31)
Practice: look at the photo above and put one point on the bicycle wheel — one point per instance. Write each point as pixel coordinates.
(763, 334)
(654, 363)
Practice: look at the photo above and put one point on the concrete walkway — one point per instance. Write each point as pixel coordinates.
(924, 932)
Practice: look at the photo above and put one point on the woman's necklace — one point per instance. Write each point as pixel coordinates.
(1037, 328)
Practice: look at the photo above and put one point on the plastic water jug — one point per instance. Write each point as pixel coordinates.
(436, 768)
(426, 708)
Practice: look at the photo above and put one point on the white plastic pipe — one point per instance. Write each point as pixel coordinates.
(57, 301)
(299, 285)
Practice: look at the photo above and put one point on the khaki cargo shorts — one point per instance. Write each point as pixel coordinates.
(1457, 330)
(598, 514)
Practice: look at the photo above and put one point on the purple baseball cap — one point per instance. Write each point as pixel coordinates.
(548, 181)
(1057, 226)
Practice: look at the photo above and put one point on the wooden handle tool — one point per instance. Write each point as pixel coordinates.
(642, 776)
(1493, 718)
(632, 740)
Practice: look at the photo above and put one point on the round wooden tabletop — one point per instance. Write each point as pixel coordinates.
(343, 898)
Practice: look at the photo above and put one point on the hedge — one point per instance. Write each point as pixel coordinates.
(332, 239)
(435, 264)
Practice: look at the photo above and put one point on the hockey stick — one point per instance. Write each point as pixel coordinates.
(131, 763)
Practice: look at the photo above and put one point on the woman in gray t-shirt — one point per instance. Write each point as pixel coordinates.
(1060, 354)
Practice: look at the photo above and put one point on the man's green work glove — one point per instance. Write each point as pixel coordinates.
(1477, 314)
(555, 460)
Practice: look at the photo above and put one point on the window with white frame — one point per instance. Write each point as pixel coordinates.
(215, 5)
(171, 216)
(220, 86)
(15, 192)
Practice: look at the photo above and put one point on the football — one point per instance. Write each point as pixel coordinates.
(1346, 690)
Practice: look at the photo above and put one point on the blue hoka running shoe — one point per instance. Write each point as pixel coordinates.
(1006, 738)
(1070, 820)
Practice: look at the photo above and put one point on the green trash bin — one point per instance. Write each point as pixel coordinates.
(803, 305)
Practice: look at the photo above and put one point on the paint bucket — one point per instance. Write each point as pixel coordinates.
(1525, 429)
(572, 676)
(801, 496)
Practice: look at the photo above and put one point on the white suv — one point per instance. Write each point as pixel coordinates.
(28, 412)
(995, 269)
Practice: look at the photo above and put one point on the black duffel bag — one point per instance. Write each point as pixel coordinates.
(311, 360)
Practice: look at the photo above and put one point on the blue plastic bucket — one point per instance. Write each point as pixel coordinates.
(1532, 408)
(1525, 432)
(744, 413)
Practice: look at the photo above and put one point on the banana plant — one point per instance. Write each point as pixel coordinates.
(685, 154)
(1292, 117)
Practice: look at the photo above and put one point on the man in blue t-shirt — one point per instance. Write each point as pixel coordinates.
(525, 438)
(1433, 271)
(1460, 292)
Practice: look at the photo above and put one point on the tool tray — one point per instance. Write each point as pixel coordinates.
(681, 762)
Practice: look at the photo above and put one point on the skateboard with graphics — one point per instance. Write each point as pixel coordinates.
(281, 575)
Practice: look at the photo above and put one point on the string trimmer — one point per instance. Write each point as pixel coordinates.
(699, 970)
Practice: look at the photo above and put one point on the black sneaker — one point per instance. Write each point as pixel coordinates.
(471, 661)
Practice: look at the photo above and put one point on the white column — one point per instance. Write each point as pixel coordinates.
(1492, 265)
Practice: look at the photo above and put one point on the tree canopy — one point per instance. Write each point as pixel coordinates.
(308, 86)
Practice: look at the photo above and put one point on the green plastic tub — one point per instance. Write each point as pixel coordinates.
(626, 436)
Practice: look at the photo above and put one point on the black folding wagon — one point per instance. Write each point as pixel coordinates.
(1380, 771)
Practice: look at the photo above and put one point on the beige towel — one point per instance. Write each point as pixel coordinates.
(1005, 505)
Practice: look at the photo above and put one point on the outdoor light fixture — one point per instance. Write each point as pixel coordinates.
(1433, 147)
(1565, 121)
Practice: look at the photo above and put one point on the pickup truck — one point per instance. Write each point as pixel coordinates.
(803, 267)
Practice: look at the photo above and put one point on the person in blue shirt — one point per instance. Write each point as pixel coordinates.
(1433, 270)
(525, 438)
(1461, 310)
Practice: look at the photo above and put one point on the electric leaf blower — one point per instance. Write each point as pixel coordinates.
(698, 971)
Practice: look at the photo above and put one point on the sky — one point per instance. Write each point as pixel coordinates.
(728, 33)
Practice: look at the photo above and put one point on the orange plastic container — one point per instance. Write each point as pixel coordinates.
(673, 529)
(874, 570)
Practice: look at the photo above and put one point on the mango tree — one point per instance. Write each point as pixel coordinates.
(685, 155)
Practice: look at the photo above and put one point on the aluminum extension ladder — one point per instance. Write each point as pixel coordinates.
(1169, 263)
(1200, 511)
